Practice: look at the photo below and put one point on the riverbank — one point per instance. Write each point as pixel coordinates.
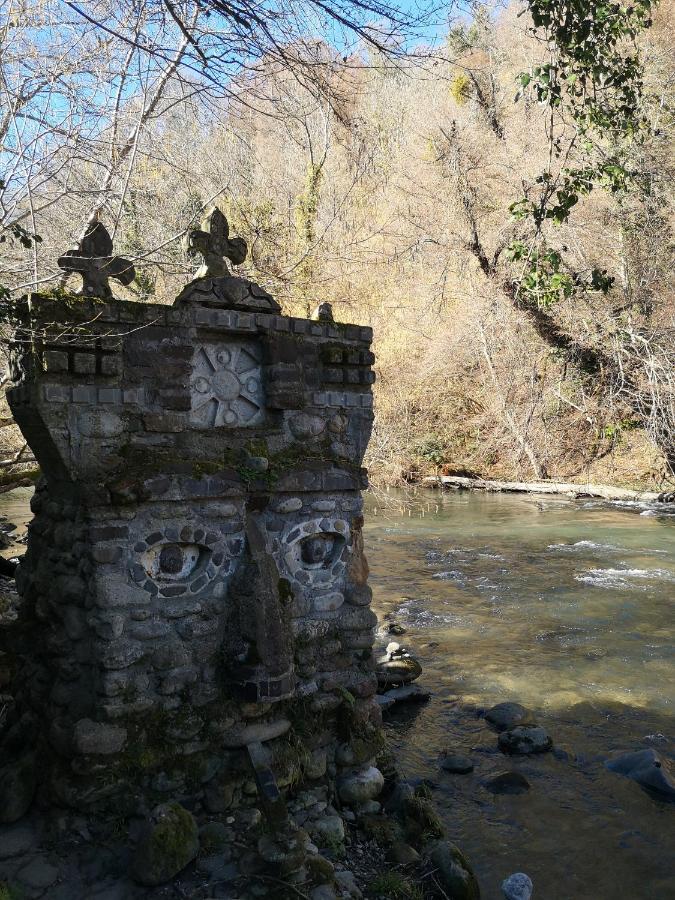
(576, 490)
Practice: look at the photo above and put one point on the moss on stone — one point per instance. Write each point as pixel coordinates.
(169, 844)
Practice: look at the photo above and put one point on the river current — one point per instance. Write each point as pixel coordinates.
(565, 606)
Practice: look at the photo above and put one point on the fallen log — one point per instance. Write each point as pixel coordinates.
(570, 489)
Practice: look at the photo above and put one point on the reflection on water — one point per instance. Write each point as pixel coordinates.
(567, 607)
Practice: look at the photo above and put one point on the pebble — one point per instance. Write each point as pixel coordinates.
(517, 887)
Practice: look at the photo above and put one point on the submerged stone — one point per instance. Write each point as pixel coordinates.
(508, 783)
(508, 715)
(525, 740)
(648, 768)
(457, 764)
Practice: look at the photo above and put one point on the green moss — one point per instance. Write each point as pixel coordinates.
(420, 821)
(382, 829)
(173, 834)
(11, 891)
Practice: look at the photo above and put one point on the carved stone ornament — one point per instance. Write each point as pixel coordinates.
(94, 261)
(214, 243)
(213, 285)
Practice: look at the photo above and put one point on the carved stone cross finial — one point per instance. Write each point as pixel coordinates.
(95, 262)
(214, 244)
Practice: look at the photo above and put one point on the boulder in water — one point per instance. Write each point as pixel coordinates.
(648, 768)
(508, 715)
(397, 667)
(525, 740)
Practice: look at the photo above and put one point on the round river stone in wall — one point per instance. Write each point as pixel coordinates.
(359, 787)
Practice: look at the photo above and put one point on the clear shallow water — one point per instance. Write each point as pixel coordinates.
(567, 607)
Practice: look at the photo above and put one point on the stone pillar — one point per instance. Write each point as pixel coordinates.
(194, 581)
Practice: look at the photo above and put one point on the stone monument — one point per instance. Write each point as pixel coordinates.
(195, 612)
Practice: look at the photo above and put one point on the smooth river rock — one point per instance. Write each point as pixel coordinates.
(508, 715)
(648, 768)
(517, 887)
(359, 787)
(399, 670)
(525, 740)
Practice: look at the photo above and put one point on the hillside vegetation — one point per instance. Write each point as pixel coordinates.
(384, 187)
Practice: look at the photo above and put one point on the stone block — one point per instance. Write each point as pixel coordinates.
(98, 738)
(84, 363)
(111, 365)
(56, 361)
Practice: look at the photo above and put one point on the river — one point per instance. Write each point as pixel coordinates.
(567, 607)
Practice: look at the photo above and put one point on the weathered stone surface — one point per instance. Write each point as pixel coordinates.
(524, 740)
(453, 871)
(169, 843)
(517, 887)
(197, 542)
(98, 737)
(648, 768)
(410, 693)
(327, 830)
(361, 786)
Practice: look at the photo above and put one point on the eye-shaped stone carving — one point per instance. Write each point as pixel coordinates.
(313, 551)
(180, 560)
(173, 562)
(319, 549)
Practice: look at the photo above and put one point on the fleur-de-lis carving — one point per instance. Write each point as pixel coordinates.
(213, 241)
(94, 261)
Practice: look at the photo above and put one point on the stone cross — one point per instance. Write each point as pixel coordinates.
(214, 244)
(94, 261)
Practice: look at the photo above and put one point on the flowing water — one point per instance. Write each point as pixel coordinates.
(564, 606)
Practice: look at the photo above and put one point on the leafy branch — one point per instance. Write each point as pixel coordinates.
(593, 84)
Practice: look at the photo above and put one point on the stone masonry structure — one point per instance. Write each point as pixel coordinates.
(195, 608)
